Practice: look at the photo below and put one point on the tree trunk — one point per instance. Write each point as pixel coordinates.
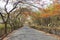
(6, 28)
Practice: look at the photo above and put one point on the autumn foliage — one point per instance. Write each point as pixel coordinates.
(55, 10)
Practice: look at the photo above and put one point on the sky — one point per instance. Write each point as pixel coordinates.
(44, 4)
(9, 6)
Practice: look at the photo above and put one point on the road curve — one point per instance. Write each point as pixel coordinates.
(27, 33)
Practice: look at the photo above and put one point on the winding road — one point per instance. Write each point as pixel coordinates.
(27, 33)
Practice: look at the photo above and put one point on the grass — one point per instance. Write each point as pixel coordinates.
(1, 26)
(2, 29)
(9, 29)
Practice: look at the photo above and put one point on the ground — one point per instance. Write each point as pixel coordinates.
(27, 33)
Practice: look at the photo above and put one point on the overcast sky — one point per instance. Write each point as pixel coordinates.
(36, 3)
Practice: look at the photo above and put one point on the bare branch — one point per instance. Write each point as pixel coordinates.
(19, 12)
(15, 5)
(6, 5)
(2, 17)
(33, 5)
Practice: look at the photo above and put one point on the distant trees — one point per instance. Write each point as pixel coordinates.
(49, 16)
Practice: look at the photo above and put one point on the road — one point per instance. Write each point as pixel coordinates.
(27, 33)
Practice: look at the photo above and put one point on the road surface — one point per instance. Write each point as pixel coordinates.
(27, 33)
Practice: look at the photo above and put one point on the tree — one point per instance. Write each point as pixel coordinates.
(6, 18)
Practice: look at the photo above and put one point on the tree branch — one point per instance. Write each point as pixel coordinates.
(15, 5)
(2, 17)
(6, 5)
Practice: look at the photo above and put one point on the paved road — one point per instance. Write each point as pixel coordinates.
(26, 33)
